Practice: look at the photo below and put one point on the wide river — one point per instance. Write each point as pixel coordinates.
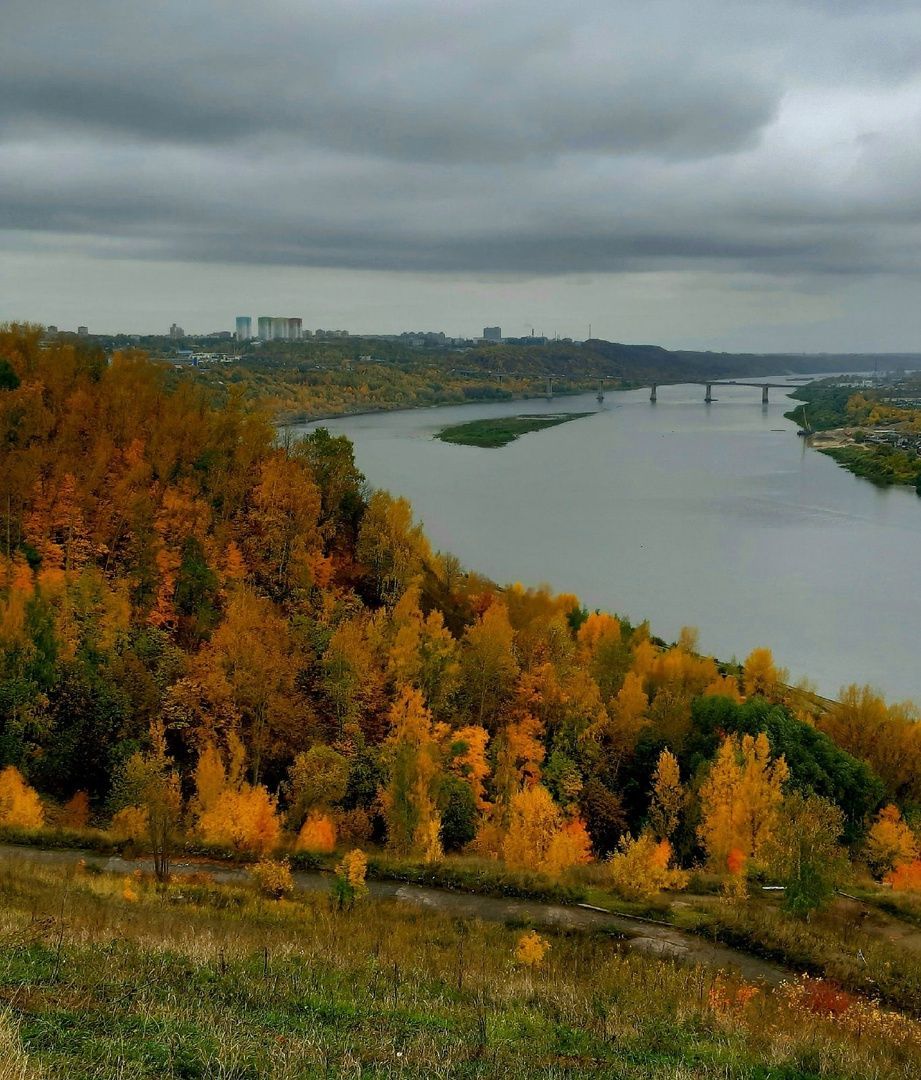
(715, 516)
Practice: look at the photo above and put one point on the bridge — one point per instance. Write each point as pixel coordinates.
(708, 393)
(552, 377)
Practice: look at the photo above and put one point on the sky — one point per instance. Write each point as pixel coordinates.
(738, 175)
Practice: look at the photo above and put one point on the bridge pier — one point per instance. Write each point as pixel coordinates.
(652, 394)
(764, 395)
(549, 387)
(708, 396)
(600, 391)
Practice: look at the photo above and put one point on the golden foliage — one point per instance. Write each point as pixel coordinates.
(740, 798)
(318, 834)
(642, 868)
(531, 949)
(273, 878)
(905, 877)
(20, 806)
(246, 819)
(538, 837)
(890, 841)
(130, 823)
(761, 676)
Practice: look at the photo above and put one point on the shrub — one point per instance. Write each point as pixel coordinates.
(531, 950)
(246, 819)
(318, 835)
(130, 823)
(273, 878)
(906, 877)
(75, 813)
(640, 868)
(349, 883)
(19, 804)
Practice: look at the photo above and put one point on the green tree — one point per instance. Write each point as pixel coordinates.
(805, 851)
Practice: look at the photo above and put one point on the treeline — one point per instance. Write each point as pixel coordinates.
(204, 630)
(304, 380)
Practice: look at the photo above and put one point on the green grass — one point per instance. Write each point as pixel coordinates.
(212, 981)
(502, 429)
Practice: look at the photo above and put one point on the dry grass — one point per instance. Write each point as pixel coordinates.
(200, 980)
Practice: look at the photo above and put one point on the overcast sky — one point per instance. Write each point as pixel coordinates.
(742, 174)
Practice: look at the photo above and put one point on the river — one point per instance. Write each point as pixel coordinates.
(716, 516)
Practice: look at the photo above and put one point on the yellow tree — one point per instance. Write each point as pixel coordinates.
(151, 783)
(741, 798)
(539, 837)
(890, 842)
(20, 807)
(760, 675)
(489, 665)
(413, 820)
(423, 652)
(391, 545)
(250, 662)
(667, 797)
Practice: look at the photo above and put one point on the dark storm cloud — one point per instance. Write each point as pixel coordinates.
(468, 136)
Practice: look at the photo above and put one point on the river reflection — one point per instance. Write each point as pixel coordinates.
(680, 512)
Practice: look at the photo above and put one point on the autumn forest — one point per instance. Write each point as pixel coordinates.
(210, 634)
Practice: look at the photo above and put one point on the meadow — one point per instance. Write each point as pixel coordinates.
(106, 975)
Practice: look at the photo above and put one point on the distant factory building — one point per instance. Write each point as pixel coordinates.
(492, 333)
(244, 328)
(264, 324)
(294, 329)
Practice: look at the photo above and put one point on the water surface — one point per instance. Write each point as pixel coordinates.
(716, 516)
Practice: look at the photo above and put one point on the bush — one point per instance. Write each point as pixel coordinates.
(273, 878)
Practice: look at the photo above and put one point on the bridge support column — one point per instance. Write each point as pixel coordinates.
(549, 387)
(764, 395)
(652, 394)
(600, 391)
(708, 397)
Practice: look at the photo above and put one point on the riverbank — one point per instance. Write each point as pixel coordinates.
(872, 440)
(286, 420)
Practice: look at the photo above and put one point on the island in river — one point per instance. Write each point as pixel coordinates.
(501, 430)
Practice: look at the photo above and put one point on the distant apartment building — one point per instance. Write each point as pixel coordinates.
(82, 331)
(176, 332)
(279, 328)
(244, 328)
(492, 333)
(295, 327)
(264, 324)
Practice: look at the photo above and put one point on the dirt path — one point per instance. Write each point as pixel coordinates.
(633, 935)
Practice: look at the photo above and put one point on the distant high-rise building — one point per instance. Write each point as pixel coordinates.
(492, 333)
(51, 329)
(279, 328)
(264, 324)
(176, 332)
(82, 331)
(294, 329)
(244, 328)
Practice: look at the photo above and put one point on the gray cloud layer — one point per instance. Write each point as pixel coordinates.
(468, 136)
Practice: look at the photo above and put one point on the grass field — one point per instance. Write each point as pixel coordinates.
(502, 429)
(104, 976)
